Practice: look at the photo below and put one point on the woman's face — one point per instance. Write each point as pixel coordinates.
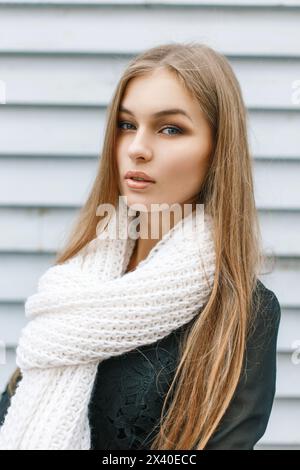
(173, 149)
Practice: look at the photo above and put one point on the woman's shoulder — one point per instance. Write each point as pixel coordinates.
(266, 309)
(268, 298)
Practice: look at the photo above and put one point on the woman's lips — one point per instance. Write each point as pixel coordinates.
(138, 174)
(134, 184)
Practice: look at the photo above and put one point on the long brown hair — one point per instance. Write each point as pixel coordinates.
(213, 351)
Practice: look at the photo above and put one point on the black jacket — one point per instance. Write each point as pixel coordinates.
(129, 390)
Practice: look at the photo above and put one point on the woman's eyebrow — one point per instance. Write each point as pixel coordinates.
(160, 113)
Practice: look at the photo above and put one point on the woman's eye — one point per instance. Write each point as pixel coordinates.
(120, 123)
(177, 129)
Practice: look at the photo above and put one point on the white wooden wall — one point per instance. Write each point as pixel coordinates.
(60, 61)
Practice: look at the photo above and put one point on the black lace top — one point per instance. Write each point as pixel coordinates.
(129, 390)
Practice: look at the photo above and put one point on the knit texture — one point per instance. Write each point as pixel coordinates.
(88, 309)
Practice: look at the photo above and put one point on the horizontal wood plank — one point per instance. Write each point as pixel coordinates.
(89, 28)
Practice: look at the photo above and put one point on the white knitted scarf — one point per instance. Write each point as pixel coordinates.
(89, 309)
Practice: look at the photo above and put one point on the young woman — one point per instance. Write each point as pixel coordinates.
(131, 346)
